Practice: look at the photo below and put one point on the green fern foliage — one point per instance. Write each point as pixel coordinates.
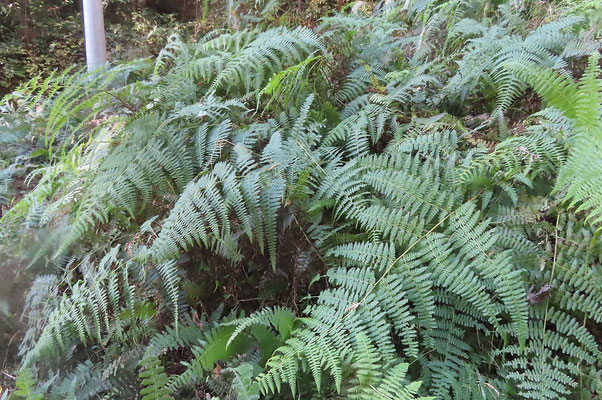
(25, 386)
(154, 381)
(581, 104)
(399, 202)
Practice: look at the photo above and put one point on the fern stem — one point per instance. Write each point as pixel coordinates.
(390, 267)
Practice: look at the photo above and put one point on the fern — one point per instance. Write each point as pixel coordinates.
(581, 103)
(488, 55)
(211, 348)
(269, 48)
(372, 384)
(341, 192)
(25, 386)
(549, 376)
(154, 381)
(201, 214)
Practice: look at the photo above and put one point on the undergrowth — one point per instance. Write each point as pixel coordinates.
(403, 202)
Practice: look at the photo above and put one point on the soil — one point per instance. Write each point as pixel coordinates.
(252, 283)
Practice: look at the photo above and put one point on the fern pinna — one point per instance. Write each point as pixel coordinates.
(319, 213)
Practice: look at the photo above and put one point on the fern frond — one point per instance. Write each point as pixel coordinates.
(581, 103)
(267, 53)
(154, 380)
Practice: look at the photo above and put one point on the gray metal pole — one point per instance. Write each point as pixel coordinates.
(94, 31)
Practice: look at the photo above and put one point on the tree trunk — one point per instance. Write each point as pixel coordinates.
(26, 23)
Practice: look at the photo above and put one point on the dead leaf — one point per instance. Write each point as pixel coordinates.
(536, 297)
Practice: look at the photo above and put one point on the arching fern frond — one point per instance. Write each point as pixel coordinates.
(581, 103)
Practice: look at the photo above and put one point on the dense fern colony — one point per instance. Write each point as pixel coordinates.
(427, 176)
